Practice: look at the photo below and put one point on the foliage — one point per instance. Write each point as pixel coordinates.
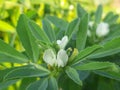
(62, 55)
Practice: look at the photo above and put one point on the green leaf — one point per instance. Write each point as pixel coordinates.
(25, 82)
(72, 28)
(7, 70)
(80, 11)
(103, 84)
(110, 48)
(60, 23)
(83, 74)
(28, 40)
(109, 74)
(94, 65)
(3, 73)
(52, 84)
(48, 30)
(67, 84)
(115, 33)
(98, 14)
(7, 83)
(113, 19)
(86, 52)
(38, 85)
(114, 27)
(108, 17)
(82, 33)
(9, 54)
(5, 27)
(38, 32)
(28, 71)
(73, 74)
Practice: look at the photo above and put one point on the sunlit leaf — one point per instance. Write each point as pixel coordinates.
(6, 27)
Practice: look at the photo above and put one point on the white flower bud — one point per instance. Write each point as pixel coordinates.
(89, 33)
(90, 24)
(102, 29)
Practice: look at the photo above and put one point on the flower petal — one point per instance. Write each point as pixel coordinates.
(62, 43)
(49, 57)
(58, 41)
(62, 58)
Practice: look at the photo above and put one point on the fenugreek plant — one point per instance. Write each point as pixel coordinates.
(56, 57)
(102, 29)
